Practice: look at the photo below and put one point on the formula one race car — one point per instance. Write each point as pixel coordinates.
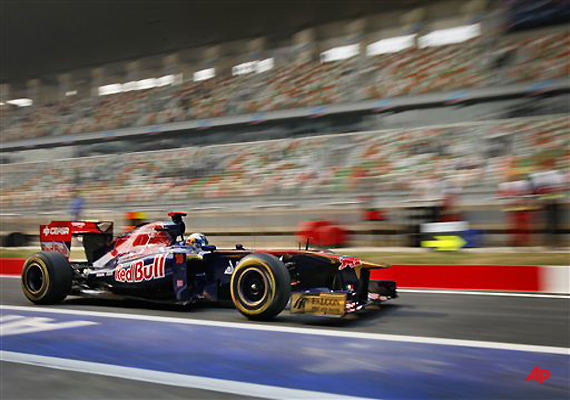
(155, 262)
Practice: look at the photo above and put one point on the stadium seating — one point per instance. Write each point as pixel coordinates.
(475, 155)
(476, 63)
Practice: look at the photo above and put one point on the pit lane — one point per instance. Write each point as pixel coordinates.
(539, 321)
(523, 320)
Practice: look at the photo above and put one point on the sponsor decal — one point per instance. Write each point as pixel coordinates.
(318, 304)
(445, 243)
(348, 262)
(230, 269)
(56, 230)
(59, 231)
(59, 247)
(137, 271)
(180, 258)
(78, 224)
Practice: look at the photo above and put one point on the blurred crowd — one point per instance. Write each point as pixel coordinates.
(467, 156)
(473, 64)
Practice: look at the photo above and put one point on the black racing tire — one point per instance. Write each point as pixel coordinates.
(260, 286)
(46, 278)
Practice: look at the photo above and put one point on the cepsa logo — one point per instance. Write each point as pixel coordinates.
(56, 230)
(138, 272)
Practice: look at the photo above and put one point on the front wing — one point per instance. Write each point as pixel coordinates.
(317, 302)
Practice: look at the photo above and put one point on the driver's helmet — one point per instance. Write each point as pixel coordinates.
(197, 240)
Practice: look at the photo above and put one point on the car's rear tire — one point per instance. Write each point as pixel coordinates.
(260, 286)
(46, 278)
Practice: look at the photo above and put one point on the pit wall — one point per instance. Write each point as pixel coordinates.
(276, 227)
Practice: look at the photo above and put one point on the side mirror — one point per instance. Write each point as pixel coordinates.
(239, 246)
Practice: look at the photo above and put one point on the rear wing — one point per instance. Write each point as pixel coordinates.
(96, 235)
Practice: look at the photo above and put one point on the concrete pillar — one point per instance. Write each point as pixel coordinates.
(304, 46)
(355, 34)
(33, 88)
(222, 58)
(474, 11)
(97, 75)
(51, 94)
(212, 55)
(187, 69)
(256, 48)
(4, 92)
(170, 64)
(133, 71)
(414, 22)
(64, 85)
(240, 52)
(83, 87)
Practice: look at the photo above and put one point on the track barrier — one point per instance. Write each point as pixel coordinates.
(503, 278)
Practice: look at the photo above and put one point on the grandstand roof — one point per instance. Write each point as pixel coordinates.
(39, 38)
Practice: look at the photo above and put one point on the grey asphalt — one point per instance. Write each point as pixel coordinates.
(521, 320)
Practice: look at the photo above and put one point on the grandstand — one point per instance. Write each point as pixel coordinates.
(373, 105)
(475, 156)
(164, 161)
(471, 64)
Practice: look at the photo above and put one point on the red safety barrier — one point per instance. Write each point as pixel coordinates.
(516, 278)
(11, 266)
(519, 278)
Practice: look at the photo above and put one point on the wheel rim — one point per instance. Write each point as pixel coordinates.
(34, 278)
(253, 287)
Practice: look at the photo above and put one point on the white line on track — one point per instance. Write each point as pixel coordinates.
(505, 294)
(302, 331)
(10, 276)
(169, 378)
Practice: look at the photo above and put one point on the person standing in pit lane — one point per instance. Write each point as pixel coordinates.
(548, 186)
(518, 195)
(76, 207)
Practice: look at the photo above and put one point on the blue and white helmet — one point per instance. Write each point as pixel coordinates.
(197, 240)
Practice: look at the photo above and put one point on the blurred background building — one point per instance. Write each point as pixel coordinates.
(288, 112)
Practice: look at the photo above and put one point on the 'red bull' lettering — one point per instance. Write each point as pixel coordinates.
(138, 272)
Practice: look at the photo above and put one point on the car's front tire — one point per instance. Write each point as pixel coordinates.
(260, 286)
(46, 278)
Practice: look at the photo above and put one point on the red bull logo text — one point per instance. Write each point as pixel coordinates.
(138, 272)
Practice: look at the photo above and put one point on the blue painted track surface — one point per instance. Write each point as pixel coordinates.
(351, 366)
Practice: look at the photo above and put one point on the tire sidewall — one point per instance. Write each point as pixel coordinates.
(57, 277)
(276, 277)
